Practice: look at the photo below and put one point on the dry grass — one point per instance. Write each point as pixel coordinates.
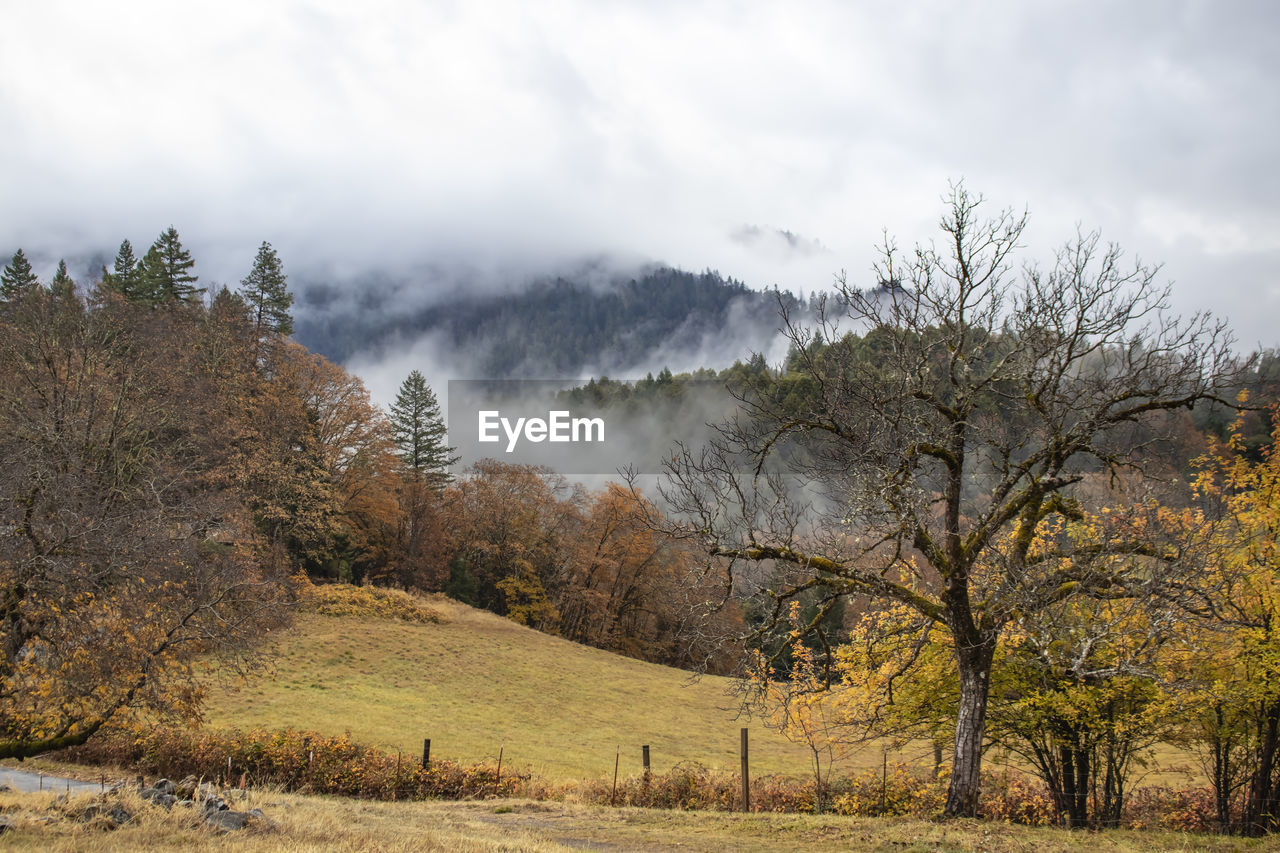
(477, 682)
(301, 823)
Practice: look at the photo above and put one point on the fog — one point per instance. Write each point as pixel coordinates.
(470, 146)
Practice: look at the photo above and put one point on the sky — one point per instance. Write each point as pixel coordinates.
(773, 142)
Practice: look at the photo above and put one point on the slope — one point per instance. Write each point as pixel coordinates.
(476, 683)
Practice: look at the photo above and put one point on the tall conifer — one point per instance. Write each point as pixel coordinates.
(17, 277)
(265, 290)
(419, 432)
(164, 274)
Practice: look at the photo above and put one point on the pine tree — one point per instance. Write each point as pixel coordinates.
(148, 283)
(265, 289)
(63, 285)
(164, 272)
(17, 277)
(419, 432)
(123, 279)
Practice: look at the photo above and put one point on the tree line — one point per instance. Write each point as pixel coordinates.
(175, 464)
(976, 506)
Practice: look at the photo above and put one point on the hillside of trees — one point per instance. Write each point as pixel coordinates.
(177, 466)
(551, 327)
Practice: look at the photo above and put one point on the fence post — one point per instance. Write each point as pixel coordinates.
(746, 780)
(644, 752)
(613, 797)
(426, 753)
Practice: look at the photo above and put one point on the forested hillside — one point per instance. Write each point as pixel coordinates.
(176, 463)
(550, 327)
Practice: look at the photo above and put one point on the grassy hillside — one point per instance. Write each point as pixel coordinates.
(476, 682)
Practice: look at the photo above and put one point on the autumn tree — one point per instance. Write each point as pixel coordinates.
(510, 524)
(127, 553)
(1230, 674)
(947, 424)
(265, 290)
(798, 704)
(626, 588)
(17, 277)
(349, 440)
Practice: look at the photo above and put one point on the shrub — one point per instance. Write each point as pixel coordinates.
(341, 599)
(296, 761)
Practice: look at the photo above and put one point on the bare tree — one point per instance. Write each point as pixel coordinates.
(929, 436)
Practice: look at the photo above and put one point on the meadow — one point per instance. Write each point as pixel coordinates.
(477, 684)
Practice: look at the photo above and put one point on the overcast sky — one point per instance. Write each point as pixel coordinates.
(518, 136)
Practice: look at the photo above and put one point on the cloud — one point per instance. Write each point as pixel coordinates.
(516, 138)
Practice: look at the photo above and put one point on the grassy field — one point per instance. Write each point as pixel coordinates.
(477, 683)
(300, 823)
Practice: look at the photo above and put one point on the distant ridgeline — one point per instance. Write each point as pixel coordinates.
(554, 327)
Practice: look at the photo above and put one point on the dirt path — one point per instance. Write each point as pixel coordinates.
(28, 781)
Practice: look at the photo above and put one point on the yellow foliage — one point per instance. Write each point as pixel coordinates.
(341, 599)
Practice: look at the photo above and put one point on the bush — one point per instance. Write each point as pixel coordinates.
(311, 762)
(341, 599)
(296, 761)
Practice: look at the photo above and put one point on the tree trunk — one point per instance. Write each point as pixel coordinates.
(974, 663)
(1258, 818)
(1069, 802)
(1080, 810)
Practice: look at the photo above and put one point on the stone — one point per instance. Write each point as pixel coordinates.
(158, 797)
(227, 820)
(187, 788)
(165, 786)
(214, 803)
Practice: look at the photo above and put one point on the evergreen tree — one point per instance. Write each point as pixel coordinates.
(123, 279)
(148, 285)
(164, 274)
(419, 432)
(265, 289)
(17, 277)
(63, 285)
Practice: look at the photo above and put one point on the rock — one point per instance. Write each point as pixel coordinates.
(164, 786)
(214, 803)
(112, 818)
(187, 788)
(5, 789)
(158, 797)
(227, 820)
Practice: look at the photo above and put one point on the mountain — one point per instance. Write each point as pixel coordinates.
(557, 325)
